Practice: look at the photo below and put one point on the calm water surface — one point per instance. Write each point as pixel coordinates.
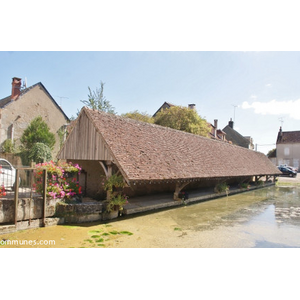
(265, 218)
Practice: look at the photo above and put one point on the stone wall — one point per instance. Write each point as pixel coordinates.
(27, 209)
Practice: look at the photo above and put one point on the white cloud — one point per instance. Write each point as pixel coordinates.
(268, 85)
(274, 107)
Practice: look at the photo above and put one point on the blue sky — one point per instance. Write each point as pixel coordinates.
(225, 57)
(257, 89)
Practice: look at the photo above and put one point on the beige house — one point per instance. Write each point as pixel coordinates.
(23, 105)
(288, 148)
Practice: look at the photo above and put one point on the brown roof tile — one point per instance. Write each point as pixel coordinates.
(146, 151)
(288, 137)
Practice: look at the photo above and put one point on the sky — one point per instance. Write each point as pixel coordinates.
(259, 90)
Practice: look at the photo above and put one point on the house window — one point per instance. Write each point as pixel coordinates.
(286, 151)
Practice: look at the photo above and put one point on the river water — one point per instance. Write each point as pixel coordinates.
(264, 218)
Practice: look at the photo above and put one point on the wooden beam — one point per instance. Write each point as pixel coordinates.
(178, 188)
(106, 168)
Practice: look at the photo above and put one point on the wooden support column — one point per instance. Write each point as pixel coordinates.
(106, 168)
(257, 178)
(179, 187)
(108, 172)
(16, 200)
(44, 197)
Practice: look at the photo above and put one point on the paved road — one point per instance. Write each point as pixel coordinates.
(289, 179)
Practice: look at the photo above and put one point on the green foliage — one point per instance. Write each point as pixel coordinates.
(116, 203)
(139, 116)
(116, 200)
(114, 181)
(8, 146)
(244, 185)
(40, 153)
(61, 135)
(221, 188)
(97, 101)
(272, 153)
(37, 132)
(182, 118)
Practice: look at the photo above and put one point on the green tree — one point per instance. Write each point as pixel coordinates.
(97, 101)
(139, 116)
(37, 132)
(272, 153)
(40, 153)
(182, 118)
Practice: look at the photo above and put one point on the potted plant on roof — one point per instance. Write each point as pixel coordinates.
(114, 204)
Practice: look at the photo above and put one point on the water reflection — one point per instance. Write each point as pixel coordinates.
(266, 218)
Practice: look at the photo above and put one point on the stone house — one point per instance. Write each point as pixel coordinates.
(288, 148)
(155, 159)
(236, 138)
(23, 105)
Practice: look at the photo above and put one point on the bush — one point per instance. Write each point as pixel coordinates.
(8, 146)
(40, 153)
(221, 187)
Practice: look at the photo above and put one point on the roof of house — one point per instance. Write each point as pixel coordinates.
(235, 137)
(148, 152)
(288, 137)
(165, 105)
(7, 100)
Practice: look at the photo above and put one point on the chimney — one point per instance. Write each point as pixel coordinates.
(191, 106)
(216, 127)
(230, 123)
(16, 88)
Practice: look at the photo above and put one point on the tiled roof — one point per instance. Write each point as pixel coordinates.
(235, 137)
(7, 100)
(288, 137)
(146, 151)
(164, 106)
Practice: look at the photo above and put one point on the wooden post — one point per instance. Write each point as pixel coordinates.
(16, 200)
(44, 197)
(178, 188)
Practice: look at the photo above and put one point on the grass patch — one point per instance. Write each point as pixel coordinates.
(95, 236)
(177, 229)
(105, 234)
(70, 226)
(101, 245)
(289, 183)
